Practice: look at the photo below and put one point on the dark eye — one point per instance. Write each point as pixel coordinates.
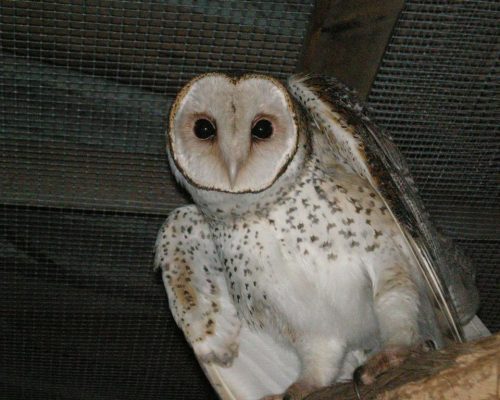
(262, 129)
(204, 129)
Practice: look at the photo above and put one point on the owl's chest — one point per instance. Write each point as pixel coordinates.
(306, 251)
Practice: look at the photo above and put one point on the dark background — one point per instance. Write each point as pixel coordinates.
(84, 183)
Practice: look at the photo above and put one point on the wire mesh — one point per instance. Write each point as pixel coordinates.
(436, 92)
(83, 316)
(84, 89)
(84, 183)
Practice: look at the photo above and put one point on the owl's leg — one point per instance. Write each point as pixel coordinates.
(397, 303)
(321, 361)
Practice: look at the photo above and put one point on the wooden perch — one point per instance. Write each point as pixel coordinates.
(461, 371)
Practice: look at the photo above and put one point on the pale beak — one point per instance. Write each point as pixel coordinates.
(235, 156)
(233, 168)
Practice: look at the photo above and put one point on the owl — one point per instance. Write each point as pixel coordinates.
(307, 252)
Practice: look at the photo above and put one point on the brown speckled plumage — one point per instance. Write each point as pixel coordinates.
(312, 236)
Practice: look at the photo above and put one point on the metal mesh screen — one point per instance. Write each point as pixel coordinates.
(82, 316)
(84, 183)
(436, 92)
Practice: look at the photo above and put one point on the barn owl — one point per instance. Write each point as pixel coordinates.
(307, 252)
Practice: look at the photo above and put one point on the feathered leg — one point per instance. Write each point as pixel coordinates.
(321, 361)
(397, 303)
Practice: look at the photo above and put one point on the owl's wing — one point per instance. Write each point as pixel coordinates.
(346, 135)
(240, 363)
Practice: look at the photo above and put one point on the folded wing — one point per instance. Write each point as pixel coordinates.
(346, 135)
(240, 363)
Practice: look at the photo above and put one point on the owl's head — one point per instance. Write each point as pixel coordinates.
(232, 134)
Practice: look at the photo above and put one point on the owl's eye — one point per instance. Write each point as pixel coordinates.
(204, 129)
(263, 129)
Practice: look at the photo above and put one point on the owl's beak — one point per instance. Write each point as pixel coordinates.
(235, 150)
(233, 169)
(235, 158)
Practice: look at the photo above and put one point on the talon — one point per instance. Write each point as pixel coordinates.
(359, 377)
(357, 380)
(356, 375)
(430, 345)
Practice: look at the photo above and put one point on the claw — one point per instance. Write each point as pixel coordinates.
(357, 380)
(429, 345)
(390, 357)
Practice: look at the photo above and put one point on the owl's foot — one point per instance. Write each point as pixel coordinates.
(297, 391)
(390, 357)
